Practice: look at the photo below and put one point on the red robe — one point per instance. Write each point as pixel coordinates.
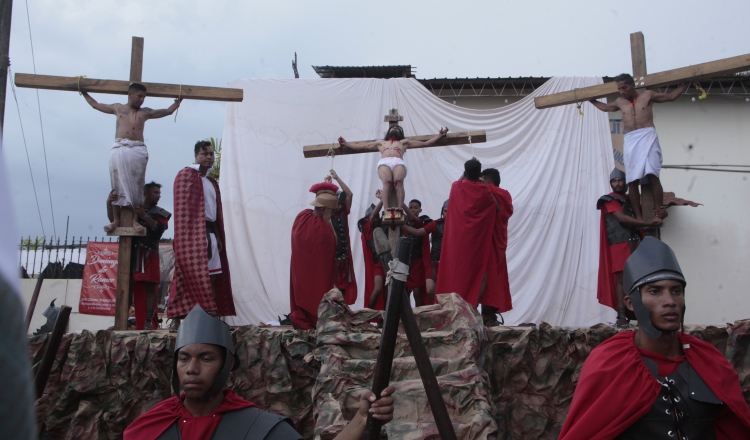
(611, 258)
(155, 421)
(191, 284)
(497, 289)
(371, 268)
(312, 267)
(346, 282)
(467, 240)
(417, 274)
(616, 389)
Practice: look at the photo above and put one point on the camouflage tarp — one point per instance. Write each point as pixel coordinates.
(101, 382)
(347, 347)
(517, 382)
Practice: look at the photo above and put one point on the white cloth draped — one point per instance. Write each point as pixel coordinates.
(554, 162)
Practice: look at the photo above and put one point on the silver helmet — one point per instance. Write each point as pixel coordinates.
(616, 174)
(201, 328)
(652, 261)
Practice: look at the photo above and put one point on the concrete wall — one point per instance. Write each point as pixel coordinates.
(67, 292)
(712, 242)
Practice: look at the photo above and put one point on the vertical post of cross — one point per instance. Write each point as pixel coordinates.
(125, 248)
(638, 57)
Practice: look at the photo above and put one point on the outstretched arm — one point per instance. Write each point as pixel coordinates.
(428, 143)
(671, 96)
(409, 214)
(378, 207)
(372, 146)
(156, 114)
(381, 409)
(104, 108)
(634, 222)
(604, 107)
(344, 188)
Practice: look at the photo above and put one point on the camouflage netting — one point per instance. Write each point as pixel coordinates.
(347, 348)
(505, 383)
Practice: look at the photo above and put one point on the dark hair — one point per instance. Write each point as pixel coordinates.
(625, 77)
(415, 201)
(201, 145)
(492, 175)
(473, 169)
(400, 133)
(151, 184)
(136, 86)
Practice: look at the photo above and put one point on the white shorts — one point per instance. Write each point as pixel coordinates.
(391, 162)
(214, 263)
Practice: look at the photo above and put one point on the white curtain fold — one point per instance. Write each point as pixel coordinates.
(554, 162)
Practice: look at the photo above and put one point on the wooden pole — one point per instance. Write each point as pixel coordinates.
(398, 308)
(638, 56)
(136, 60)
(32, 303)
(50, 351)
(384, 364)
(6, 11)
(124, 251)
(461, 138)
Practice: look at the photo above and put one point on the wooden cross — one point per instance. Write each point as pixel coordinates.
(80, 84)
(642, 81)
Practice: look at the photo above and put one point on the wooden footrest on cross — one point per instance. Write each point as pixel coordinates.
(393, 217)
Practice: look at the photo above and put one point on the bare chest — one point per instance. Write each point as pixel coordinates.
(392, 149)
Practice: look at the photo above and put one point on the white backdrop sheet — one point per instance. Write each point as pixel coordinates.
(554, 162)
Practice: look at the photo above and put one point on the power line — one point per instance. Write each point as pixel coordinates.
(41, 124)
(696, 168)
(28, 158)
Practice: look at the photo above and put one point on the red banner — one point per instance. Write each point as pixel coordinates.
(98, 291)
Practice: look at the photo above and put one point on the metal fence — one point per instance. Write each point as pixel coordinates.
(57, 257)
(55, 254)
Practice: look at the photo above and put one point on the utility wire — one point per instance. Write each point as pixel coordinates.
(41, 124)
(28, 158)
(695, 168)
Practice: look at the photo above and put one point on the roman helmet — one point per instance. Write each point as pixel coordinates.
(368, 213)
(652, 261)
(201, 328)
(616, 174)
(325, 195)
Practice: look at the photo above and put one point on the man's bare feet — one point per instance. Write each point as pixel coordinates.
(661, 212)
(137, 226)
(112, 226)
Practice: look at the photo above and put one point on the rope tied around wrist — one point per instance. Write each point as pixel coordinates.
(79, 83)
(179, 96)
(397, 271)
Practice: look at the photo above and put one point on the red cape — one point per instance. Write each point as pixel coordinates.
(467, 240)
(155, 421)
(605, 291)
(312, 267)
(497, 290)
(191, 284)
(371, 268)
(346, 282)
(616, 389)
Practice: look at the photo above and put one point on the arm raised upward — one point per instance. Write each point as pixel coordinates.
(156, 114)
(104, 108)
(347, 191)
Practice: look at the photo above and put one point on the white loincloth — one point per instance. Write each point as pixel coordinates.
(391, 162)
(642, 154)
(127, 171)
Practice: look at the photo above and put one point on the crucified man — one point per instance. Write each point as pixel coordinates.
(391, 167)
(128, 158)
(642, 152)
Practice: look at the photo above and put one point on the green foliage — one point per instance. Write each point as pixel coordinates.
(32, 245)
(215, 170)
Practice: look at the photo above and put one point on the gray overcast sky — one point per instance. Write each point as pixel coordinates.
(214, 42)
